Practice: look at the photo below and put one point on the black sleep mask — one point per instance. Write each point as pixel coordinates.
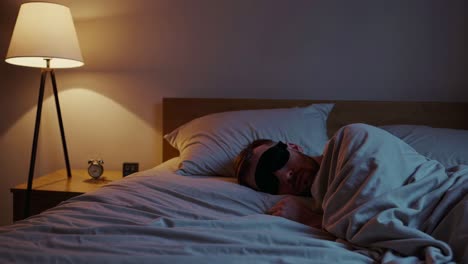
(271, 160)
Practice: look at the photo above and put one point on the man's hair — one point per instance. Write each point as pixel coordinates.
(243, 160)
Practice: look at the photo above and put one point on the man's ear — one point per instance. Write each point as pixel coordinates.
(295, 147)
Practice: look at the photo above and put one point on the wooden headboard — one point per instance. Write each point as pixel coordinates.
(178, 111)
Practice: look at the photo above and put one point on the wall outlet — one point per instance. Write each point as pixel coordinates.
(129, 168)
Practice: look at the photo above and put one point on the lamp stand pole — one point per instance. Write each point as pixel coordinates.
(32, 163)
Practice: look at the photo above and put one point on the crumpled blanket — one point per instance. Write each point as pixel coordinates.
(377, 193)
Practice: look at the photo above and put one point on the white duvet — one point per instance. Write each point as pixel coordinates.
(160, 217)
(396, 207)
(378, 193)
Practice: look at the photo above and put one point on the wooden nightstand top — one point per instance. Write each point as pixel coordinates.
(80, 182)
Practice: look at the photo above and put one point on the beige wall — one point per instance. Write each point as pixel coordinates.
(138, 51)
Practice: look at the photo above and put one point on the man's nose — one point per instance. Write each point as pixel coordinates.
(289, 175)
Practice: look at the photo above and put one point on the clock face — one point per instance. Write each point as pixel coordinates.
(95, 170)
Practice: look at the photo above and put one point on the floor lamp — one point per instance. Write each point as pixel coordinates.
(44, 37)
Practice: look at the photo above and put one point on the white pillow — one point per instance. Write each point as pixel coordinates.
(448, 146)
(208, 145)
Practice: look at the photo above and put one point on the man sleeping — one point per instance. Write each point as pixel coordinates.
(370, 189)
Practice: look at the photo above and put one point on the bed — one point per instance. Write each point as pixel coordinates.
(190, 209)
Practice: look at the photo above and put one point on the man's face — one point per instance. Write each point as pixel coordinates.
(294, 177)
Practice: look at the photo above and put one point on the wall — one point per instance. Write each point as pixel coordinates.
(137, 52)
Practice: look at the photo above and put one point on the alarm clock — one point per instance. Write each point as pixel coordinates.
(95, 168)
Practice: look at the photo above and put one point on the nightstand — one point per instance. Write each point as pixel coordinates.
(51, 189)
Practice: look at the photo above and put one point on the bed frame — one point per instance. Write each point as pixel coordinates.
(177, 111)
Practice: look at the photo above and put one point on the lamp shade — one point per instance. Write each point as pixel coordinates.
(44, 31)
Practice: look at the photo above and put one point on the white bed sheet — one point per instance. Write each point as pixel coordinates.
(157, 216)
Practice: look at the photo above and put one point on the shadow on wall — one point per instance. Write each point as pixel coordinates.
(368, 50)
